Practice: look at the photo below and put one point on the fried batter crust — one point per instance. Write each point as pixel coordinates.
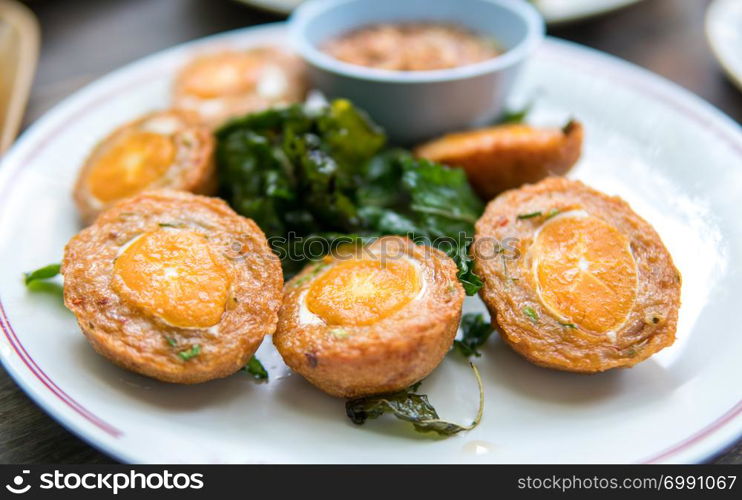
(141, 343)
(195, 170)
(216, 110)
(386, 356)
(507, 289)
(507, 156)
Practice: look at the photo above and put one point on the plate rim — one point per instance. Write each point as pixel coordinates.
(279, 9)
(576, 17)
(700, 446)
(716, 8)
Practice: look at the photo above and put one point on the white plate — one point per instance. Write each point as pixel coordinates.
(554, 11)
(673, 157)
(724, 33)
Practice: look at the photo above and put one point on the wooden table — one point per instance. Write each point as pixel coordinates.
(84, 39)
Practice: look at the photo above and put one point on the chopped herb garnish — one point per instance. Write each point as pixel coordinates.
(528, 311)
(255, 368)
(514, 115)
(412, 407)
(319, 266)
(339, 333)
(568, 325)
(43, 273)
(552, 213)
(466, 275)
(475, 331)
(171, 341)
(168, 224)
(190, 353)
(548, 215)
(530, 215)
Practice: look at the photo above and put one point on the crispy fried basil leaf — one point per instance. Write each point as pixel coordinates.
(440, 197)
(320, 174)
(468, 278)
(342, 122)
(411, 407)
(426, 201)
(43, 273)
(256, 369)
(475, 332)
(292, 170)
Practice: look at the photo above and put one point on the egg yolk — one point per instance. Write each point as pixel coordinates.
(132, 163)
(361, 292)
(585, 272)
(173, 275)
(222, 74)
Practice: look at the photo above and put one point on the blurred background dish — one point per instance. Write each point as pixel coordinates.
(724, 33)
(566, 11)
(227, 84)
(283, 7)
(554, 11)
(19, 47)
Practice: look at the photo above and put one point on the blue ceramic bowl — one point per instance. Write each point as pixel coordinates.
(416, 105)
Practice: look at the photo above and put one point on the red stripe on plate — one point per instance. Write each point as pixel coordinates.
(47, 381)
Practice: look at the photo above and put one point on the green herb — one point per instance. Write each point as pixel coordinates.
(568, 325)
(548, 215)
(339, 333)
(322, 174)
(255, 368)
(528, 311)
(475, 332)
(43, 273)
(190, 353)
(530, 215)
(412, 407)
(169, 224)
(514, 115)
(171, 341)
(634, 350)
(551, 213)
(311, 274)
(466, 275)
